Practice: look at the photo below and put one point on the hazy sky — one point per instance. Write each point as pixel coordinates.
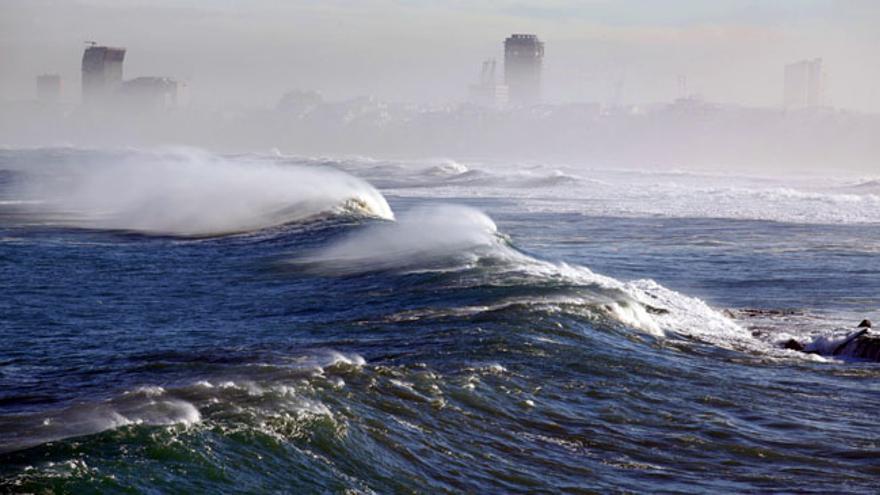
(250, 52)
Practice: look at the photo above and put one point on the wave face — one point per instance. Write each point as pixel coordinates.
(184, 192)
(497, 336)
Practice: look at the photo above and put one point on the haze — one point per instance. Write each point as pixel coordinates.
(234, 56)
(428, 51)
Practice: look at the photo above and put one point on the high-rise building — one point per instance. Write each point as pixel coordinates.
(101, 72)
(804, 84)
(523, 58)
(49, 88)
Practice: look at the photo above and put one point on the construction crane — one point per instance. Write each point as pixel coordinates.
(487, 76)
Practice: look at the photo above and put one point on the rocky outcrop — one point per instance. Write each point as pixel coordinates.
(793, 345)
(861, 344)
(864, 345)
(843, 346)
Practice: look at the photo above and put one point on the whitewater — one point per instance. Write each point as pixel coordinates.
(178, 320)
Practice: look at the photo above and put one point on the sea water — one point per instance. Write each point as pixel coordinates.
(178, 321)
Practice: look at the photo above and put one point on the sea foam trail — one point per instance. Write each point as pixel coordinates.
(146, 406)
(445, 238)
(191, 193)
(422, 238)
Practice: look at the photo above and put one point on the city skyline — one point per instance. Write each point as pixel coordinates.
(102, 75)
(731, 52)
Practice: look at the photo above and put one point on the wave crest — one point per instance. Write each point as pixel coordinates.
(190, 193)
(423, 238)
(460, 239)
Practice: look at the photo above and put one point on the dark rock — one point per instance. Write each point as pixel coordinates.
(655, 310)
(766, 313)
(849, 340)
(865, 324)
(868, 347)
(793, 345)
(861, 345)
(865, 346)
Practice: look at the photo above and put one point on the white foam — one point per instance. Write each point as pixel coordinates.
(447, 168)
(288, 394)
(320, 362)
(162, 412)
(687, 315)
(191, 192)
(421, 237)
(644, 304)
(842, 343)
(640, 193)
(137, 407)
(352, 360)
(440, 237)
(148, 391)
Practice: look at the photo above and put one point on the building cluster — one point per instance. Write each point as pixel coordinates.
(103, 84)
(805, 81)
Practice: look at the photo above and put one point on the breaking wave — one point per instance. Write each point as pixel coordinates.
(447, 168)
(633, 193)
(465, 242)
(273, 400)
(422, 238)
(519, 179)
(187, 192)
(869, 186)
(148, 406)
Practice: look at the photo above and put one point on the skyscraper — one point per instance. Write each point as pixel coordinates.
(101, 72)
(804, 84)
(523, 57)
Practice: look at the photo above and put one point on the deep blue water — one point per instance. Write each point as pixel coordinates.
(148, 363)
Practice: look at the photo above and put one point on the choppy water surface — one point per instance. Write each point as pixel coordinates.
(176, 321)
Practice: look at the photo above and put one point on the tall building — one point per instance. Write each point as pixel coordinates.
(804, 84)
(101, 73)
(523, 57)
(488, 92)
(49, 88)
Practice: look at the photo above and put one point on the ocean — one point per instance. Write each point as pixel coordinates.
(177, 321)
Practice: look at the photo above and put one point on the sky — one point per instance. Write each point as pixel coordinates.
(235, 52)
